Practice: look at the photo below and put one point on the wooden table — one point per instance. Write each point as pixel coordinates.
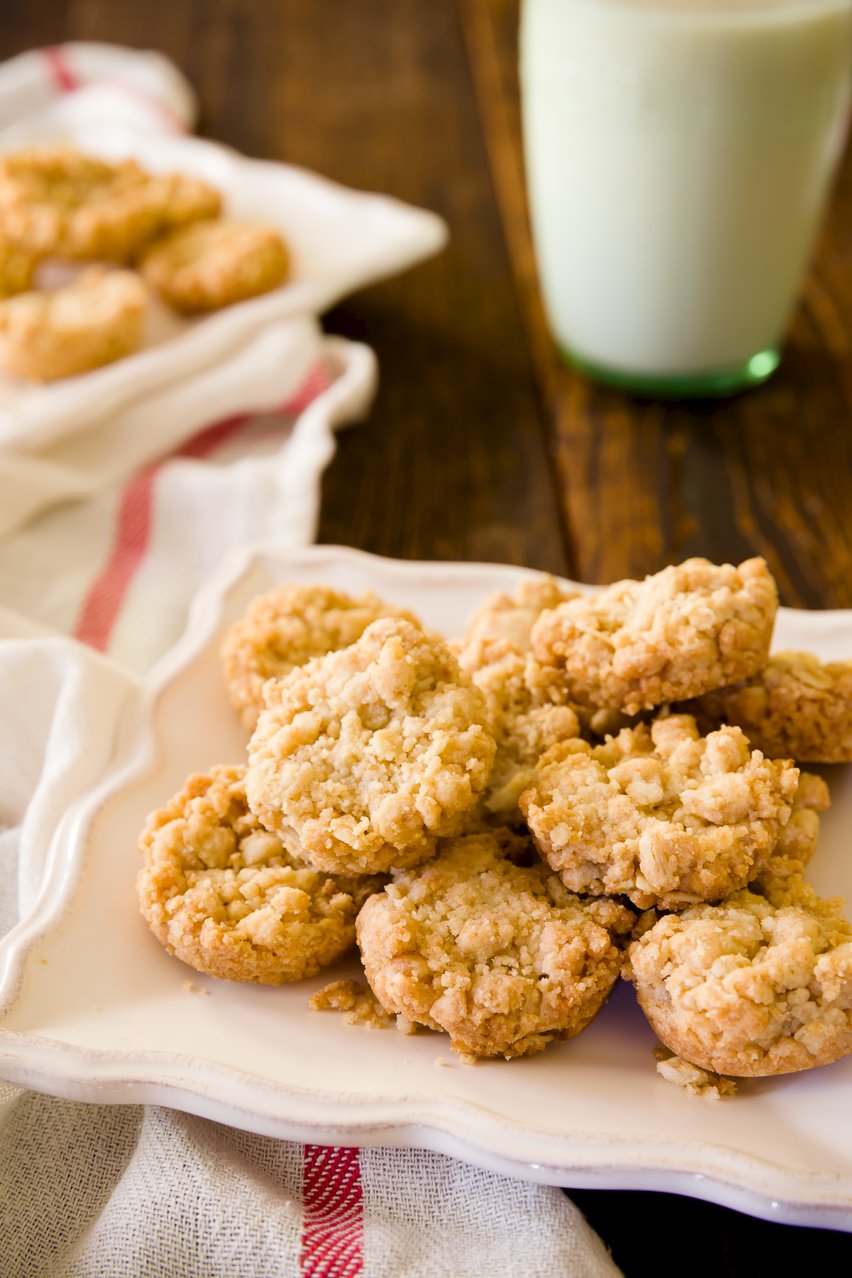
(481, 445)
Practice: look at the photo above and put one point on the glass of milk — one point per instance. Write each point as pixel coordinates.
(679, 155)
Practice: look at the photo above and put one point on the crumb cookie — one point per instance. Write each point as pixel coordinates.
(224, 895)
(512, 617)
(285, 628)
(659, 814)
(796, 706)
(93, 321)
(213, 263)
(370, 754)
(685, 630)
(55, 200)
(179, 199)
(17, 268)
(782, 879)
(746, 989)
(800, 835)
(499, 955)
(526, 711)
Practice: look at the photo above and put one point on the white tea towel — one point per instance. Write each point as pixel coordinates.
(143, 83)
(120, 1192)
(118, 569)
(260, 374)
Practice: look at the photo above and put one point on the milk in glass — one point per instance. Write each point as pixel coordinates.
(679, 154)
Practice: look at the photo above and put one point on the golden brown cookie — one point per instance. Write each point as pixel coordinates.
(782, 880)
(55, 200)
(179, 199)
(637, 644)
(660, 814)
(745, 989)
(370, 754)
(799, 836)
(286, 627)
(499, 955)
(226, 897)
(527, 714)
(512, 617)
(17, 268)
(796, 706)
(93, 321)
(213, 263)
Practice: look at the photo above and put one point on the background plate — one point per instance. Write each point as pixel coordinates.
(340, 240)
(92, 1008)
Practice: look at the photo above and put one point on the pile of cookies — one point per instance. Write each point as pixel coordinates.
(165, 231)
(579, 787)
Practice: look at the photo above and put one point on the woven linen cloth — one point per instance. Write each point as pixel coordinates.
(104, 538)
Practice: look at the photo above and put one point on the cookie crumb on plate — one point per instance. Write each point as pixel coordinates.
(700, 1082)
(355, 1000)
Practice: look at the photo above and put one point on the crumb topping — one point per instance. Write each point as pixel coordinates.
(226, 897)
(796, 706)
(697, 1081)
(511, 617)
(637, 644)
(659, 813)
(499, 955)
(355, 1000)
(743, 988)
(286, 627)
(372, 753)
(527, 714)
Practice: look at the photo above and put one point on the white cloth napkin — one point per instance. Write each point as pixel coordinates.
(150, 524)
(75, 78)
(104, 537)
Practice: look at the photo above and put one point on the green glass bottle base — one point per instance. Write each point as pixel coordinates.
(726, 381)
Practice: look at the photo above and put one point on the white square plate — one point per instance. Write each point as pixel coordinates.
(340, 240)
(92, 1008)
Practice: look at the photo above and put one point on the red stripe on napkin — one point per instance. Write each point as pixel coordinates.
(132, 535)
(102, 603)
(333, 1225)
(312, 387)
(169, 117)
(67, 81)
(60, 70)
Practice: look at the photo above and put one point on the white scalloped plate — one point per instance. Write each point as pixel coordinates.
(92, 1008)
(340, 241)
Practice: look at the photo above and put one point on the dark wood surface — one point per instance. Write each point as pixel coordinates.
(481, 445)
